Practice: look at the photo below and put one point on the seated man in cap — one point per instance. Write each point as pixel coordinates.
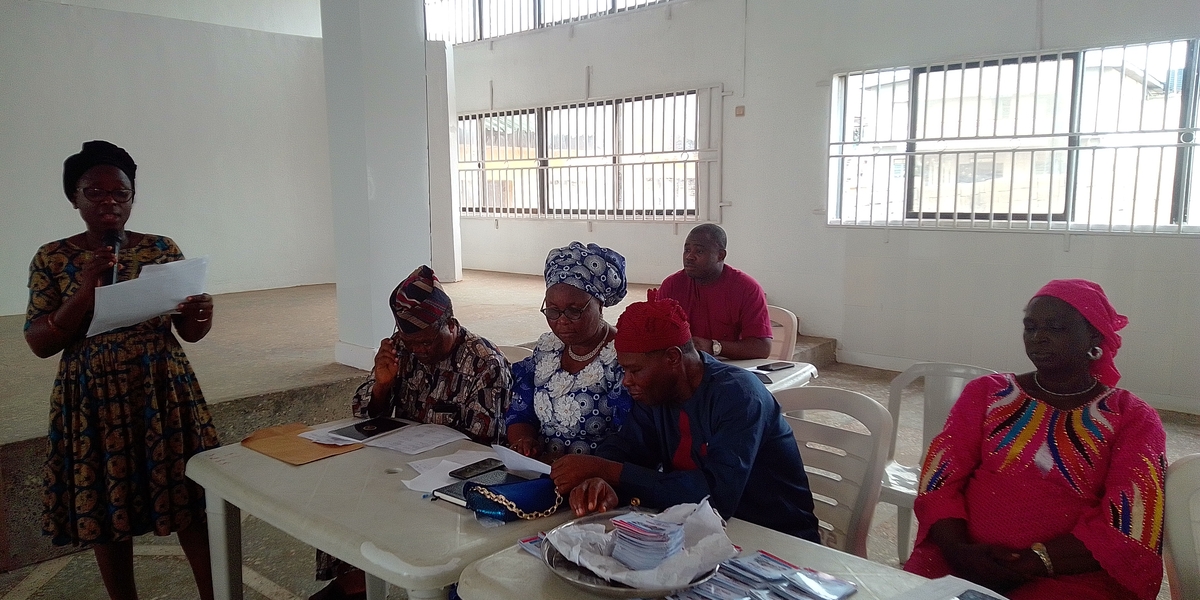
(726, 308)
(435, 371)
(432, 370)
(698, 428)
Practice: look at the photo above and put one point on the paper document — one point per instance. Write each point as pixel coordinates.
(948, 588)
(461, 458)
(322, 436)
(416, 439)
(157, 291)
(434, 478)
(515, 461)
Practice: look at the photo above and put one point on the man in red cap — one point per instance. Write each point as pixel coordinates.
(698, 428)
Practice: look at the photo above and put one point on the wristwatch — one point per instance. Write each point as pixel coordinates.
(716, 347)
(1040, 550)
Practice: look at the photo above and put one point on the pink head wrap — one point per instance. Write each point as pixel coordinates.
(1088, 298)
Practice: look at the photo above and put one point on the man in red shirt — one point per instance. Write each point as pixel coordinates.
(727, 308)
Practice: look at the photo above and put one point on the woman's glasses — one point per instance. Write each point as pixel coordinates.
(121, 196)
(553, 314)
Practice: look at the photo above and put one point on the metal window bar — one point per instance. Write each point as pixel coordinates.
(639, 158)
(1093, 140)
(460, 21)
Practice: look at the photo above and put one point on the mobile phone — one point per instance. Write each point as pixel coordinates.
(762, 377)
(775, 366)
(476, 468)
(364, 430)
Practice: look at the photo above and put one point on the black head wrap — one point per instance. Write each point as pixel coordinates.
(96, 152)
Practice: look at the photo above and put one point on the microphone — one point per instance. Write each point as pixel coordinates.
(112, 238)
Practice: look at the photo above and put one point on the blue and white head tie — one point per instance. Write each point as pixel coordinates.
(596, 270)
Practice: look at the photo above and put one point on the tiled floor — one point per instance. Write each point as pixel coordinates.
(293, 330)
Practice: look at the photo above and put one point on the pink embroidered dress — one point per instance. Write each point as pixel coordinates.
(1021, 471)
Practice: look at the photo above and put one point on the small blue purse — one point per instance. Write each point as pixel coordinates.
(528, 500)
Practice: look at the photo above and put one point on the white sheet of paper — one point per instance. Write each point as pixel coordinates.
(157, 291)
(437, 477)
(462, 458)
(944, 588)
(321, 436)
(515, 461)
(416, 439)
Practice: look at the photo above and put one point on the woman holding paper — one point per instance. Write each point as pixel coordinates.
(126, 410)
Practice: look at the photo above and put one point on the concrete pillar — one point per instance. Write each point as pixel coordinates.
(375, 91)
(443, 161)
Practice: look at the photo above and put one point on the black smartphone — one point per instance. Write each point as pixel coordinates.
(476, 468)
(370, 428)
(762, 377)
(775, 366)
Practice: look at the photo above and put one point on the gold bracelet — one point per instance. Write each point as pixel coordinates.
(1040, 550)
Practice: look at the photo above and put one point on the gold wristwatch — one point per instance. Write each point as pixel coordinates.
(1040, 550)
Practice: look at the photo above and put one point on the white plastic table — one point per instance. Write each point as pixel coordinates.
(514, 574)
(352, 507)
(798, 375)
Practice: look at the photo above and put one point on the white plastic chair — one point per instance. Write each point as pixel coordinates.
(515, 354)
(784, 328)
(943, 384)
(844, 465)
(1182, 518)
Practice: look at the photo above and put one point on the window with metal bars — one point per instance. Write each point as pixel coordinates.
(1100, 139)
(652, 157)
(458, 21)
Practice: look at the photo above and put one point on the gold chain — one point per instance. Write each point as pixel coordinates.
(510, 505)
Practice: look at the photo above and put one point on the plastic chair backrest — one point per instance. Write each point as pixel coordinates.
(784, 327)
(844, 465)
(515, 354)
(1182, 544)
(944, 382)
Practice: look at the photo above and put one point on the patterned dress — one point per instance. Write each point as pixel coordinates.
(475, 379)
(573, 412)
(1021, 471)
(125, 415)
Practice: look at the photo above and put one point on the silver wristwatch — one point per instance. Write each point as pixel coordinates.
(716, 347)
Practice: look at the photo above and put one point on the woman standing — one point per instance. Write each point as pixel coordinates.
(126, 410)
(568, 396)
(1049, 484)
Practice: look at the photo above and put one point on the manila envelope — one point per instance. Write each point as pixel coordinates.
(283, 442)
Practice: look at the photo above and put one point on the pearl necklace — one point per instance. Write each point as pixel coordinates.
(1079, 393)
(589, 355)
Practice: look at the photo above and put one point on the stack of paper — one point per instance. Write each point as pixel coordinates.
(642, 542)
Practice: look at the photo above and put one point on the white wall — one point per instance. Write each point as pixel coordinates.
(890, 297)
(227, 125)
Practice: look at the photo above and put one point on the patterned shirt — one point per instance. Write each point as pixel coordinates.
(475, 377)
(573, 412)
(1020, 471)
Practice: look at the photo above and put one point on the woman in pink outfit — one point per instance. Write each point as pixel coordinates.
(1049, 484)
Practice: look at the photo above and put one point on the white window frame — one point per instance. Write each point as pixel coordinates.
(462, 21)
(478, 193)
(884, 130)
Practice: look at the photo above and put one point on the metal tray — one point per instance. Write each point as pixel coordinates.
(584, 579)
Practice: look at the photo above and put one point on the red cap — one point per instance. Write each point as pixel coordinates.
(656, 324)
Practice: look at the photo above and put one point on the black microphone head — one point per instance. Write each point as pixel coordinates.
(112, 238)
